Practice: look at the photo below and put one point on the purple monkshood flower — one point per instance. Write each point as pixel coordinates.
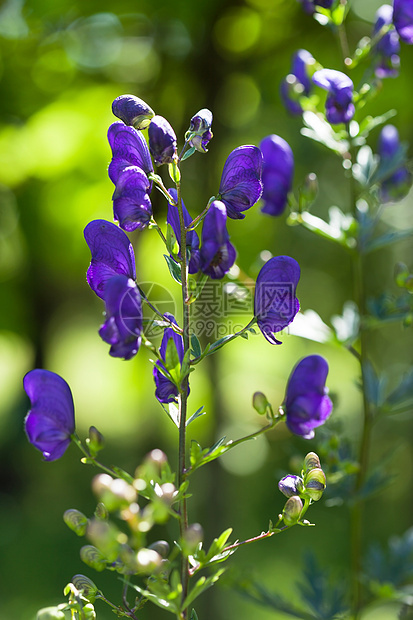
(387, 49)
(241, 186)
(132, 111)
(162, 141)
(200, 125)
(277, 173)
(291, 485)
(129, 148)
(123, 326)
(50, 422)
(192, 239)
(403, 19)
(397, 184)
(306, 402)
(132, 206)
(339, 103)
(217, 253)
(310, 5)
(166, 391)
(112, 254)
(298, 82)
(275, 303)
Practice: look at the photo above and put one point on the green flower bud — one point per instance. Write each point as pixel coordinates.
(101, 512)
(89, 612)
(93, 557)
(50, 613)
(86, 586)
(309, 189)
(149, 561)
(260, 403)
(292, 510)
(311, 461)
(76, 520)
(315, 483)
(115, 493)
(401, 273)
(193, 535)
(161, 547)
(95, 441)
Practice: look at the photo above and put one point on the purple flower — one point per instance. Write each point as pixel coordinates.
(123, 326)
(309, 5)
(306, 402)
(200, 128)
(339, 103)
(132, 111)
(397, 184)
(241, 185)
(51, 419)
(275, 303)
(112, 254)
(403, 19)
(387, 49)
(291, 485)
(217, 253)
(277, 173)
(166, 391)
(132, 206)
(298, 82)
(192, 239)
(162, 141)
(129, 148)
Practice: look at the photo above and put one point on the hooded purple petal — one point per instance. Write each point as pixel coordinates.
(162, 140)
(241, 185)
(112, 254)
(132, 206)
(217, 253)
(298, 82)
(51, 419)
(132, 111)
(166, 390)
(129, 148)
(192, 239)
(275, 303)
(339, 103)
(123, 326)
(397, 184)
(277, 174)
(200, 125)
(403, 19)
(291, 485)
(306, 402)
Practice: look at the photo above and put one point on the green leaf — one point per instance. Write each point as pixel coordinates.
(174, 268)
(319, 130)
(172, 362)
(198, 413)
(171, 241)
(388, 239)
(196, 346)
(188, 153)
(369, 123)
(194, 615)
(201, 585)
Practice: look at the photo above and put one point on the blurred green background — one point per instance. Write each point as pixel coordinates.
(61, 65)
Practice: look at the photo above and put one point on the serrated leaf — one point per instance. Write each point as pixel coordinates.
(174, 268)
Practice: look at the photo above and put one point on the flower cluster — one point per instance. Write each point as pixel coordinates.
(298, 82)
(387, 49)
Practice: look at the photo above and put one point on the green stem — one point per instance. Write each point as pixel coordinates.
(183, 398)
(91, 460)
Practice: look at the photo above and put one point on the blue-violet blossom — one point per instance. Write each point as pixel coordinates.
(403, 19)
(132, 111)
(275, 303)
(123, 325)
(132, 206)
(129, 148)
(241, 185)
(297, 82)
(50, 423)
(192, 239)
(291, 485)
(339, 102)
(387, 49)
(162, 141)
(112, 254)
(306, 402)
(217, 252)
(397, 184)
(166, 391)
(200, 129)
(277, 173)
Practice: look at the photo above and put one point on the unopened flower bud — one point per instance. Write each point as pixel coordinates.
(132, 111)
(291, 485)
(89, 612)
(311, 461)
(148, 560)
(95, 441)
(309, 189)
(193, 535)
(115, 493)
(50, 613)
(260, 403)
(86, 586)
(292, 510)
(401, 273)
(76, 520)
(93, 557)
(315, 483)
(161, 547)
(167, 492)
(162, 141)
(200, 130)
